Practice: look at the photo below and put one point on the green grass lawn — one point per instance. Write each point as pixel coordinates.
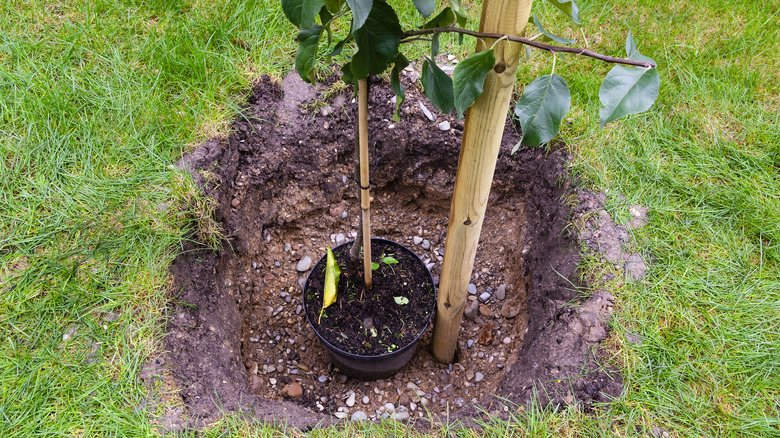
(98, 98)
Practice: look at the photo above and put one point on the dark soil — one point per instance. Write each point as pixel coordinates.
(238, 339)
(347, 323)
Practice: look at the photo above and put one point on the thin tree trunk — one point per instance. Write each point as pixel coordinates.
(482, 134)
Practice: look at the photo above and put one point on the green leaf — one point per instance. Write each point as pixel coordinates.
(438, 86)
(569, 8)
(346, 74)
(425, 7)
(360, 11)
(556, 38)
(395, 81)
(308, 40)
(444, 18)
(541, 108)
(374, 266)
(333, 5)
(461, 22)
(325, 15)
(301, 12)
(628, 90)
(469, 77)
(456, 5)
(377, 41)
(401, 301)
(389, 260)
(339, 47)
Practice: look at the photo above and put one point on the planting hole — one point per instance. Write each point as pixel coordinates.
(284, 183)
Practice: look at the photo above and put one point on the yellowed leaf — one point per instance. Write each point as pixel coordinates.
(332, 276)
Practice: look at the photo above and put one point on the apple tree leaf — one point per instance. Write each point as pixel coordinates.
(302, 12)
(541, 108)
(569, 8)
(469, 78)
(377, 41)
(438, 86)
(628, 90)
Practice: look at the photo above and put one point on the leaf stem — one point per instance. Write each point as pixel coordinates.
(577, 51)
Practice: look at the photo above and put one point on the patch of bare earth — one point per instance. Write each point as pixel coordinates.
(283, 180)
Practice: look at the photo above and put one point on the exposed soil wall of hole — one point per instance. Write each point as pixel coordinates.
(283, 181)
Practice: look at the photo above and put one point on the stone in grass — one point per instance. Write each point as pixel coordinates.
(359, 416)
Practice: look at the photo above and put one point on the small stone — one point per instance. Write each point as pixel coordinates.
(344, 215)
(478, 377)
(341, 415)
(298, 309)
(472, 310)
(293, 390)
(322, 379)
(359, 416)
(304, 264)
(486, 334)
(484, 311)
(340, 238)
(469, 343)
(472, 289)
(351, 400)
(235, 202)
(255, 383)
(417, 240)
(507, 340)
(365, 400)
(469, 375)
(254, 338)
(389, 407)
(634, 339)
(111, 317)
(484, 296)
(501, 292)
(426, 244)
(399, 416)
(272, 381)
(287, 247)
(425, 111)
(444, 126)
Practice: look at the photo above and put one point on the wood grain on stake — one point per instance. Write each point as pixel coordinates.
(477, 162)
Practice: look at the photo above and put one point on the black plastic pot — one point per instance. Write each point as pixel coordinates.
(369, 367)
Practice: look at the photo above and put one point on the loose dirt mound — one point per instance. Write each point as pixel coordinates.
(283, 179)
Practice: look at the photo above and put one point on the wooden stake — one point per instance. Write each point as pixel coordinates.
(482, 133)
(365, 200)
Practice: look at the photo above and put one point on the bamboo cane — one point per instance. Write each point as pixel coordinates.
(365, 200)
(482, 134)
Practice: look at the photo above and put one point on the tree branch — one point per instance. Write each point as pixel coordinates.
(411, 34)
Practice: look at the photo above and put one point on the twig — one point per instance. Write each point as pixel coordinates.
(577, 51)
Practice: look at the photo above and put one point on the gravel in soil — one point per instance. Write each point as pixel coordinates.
(284, 185)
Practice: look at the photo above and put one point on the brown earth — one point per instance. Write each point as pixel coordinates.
(238, 339)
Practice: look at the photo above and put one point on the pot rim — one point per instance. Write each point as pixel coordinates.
(379, 356)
